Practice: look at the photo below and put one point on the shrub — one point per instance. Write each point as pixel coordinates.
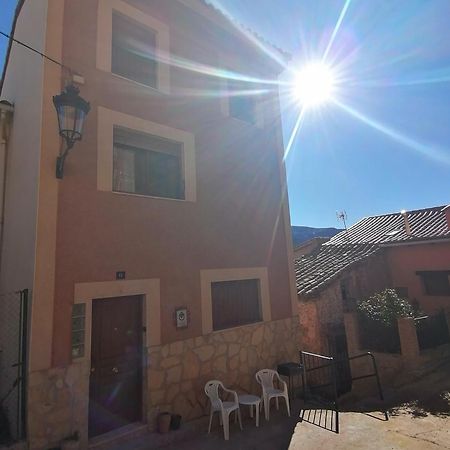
(385, 308)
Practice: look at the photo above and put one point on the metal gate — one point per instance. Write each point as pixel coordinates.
(13, 364)
(321, 384)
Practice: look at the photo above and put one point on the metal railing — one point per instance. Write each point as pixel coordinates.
(320, 385)
(370, 375)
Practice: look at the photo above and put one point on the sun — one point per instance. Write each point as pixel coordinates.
(314, 84)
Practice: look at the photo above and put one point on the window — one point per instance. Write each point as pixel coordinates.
(133, 54)
(133, 45)
(235, 303)
(147, 165)
(242, 105)
(436, 283)
(78, 328)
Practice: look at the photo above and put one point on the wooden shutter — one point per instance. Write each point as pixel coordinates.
(235, 303)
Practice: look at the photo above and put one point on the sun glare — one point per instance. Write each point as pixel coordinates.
(314, 84)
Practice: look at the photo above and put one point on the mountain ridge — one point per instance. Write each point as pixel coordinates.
(302, 233)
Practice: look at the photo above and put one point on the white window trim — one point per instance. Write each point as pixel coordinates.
(104, 39)
(108, 119)
(209, 276)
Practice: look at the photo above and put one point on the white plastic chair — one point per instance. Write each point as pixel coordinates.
(224, 408)
(265, 378)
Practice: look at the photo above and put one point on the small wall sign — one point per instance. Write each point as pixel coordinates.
(181, 317)
(120, 275)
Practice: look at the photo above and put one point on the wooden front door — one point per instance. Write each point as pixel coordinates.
(115, 387)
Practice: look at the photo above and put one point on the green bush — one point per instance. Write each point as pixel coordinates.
(385, 307)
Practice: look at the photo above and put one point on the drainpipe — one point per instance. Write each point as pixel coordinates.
(6, 113)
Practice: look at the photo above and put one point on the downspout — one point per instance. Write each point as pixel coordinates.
(6, 114)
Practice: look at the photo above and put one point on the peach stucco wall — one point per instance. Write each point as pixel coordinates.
(405, 261)
(236, 220)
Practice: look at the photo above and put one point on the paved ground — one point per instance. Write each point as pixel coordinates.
(419, 419)
(364, 431)
(358, 430)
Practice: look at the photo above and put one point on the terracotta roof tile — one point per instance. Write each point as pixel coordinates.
(429, 223)
(316, 270)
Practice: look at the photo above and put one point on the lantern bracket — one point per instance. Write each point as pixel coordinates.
(62, 158)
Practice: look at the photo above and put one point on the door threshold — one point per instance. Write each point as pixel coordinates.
(104, 441)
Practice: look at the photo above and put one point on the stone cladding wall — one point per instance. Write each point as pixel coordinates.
(178, 371)
(58, 398)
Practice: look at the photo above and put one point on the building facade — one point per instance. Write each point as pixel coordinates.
(406, 251)
(168, 213)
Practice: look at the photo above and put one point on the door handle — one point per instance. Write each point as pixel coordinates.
(115, 370)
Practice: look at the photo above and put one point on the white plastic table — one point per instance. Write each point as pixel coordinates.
(251, 400)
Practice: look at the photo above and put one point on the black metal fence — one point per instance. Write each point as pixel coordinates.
(432, 331)
(13, 364)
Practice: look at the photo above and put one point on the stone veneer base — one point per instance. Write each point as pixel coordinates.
(58, 398)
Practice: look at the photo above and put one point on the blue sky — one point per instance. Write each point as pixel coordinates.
(6, 16)
(387, 146)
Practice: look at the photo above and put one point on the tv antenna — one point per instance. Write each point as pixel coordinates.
(342, 217)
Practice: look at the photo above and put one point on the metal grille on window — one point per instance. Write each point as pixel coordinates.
(78, 328)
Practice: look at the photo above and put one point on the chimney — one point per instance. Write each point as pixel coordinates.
(407, 225)
(446, 211)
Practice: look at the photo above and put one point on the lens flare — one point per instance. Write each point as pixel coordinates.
(314, 84)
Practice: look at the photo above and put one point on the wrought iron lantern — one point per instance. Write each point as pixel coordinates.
(72, 111)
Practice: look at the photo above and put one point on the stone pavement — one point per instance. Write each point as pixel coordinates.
(358, 430)
(371, 431)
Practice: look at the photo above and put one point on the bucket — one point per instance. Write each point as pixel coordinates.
(164, 420)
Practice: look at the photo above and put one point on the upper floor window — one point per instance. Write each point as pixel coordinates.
(133, 53)
(235, 303)
(133, 44)
(243, 107)
(147, 165)
(436, 282)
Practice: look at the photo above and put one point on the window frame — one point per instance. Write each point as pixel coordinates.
(209, 276)
(423, 274)
(109, 119)
(236, 323)
(141, 151)
(106, 9)
(225, 105)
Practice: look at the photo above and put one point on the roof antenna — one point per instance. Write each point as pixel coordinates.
(342, 217)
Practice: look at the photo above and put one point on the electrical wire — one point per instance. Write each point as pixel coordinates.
(36, 51)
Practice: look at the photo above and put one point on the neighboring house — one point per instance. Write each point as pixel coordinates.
(161, 259)
(409, 252)
(301, 234)
(305, 248)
